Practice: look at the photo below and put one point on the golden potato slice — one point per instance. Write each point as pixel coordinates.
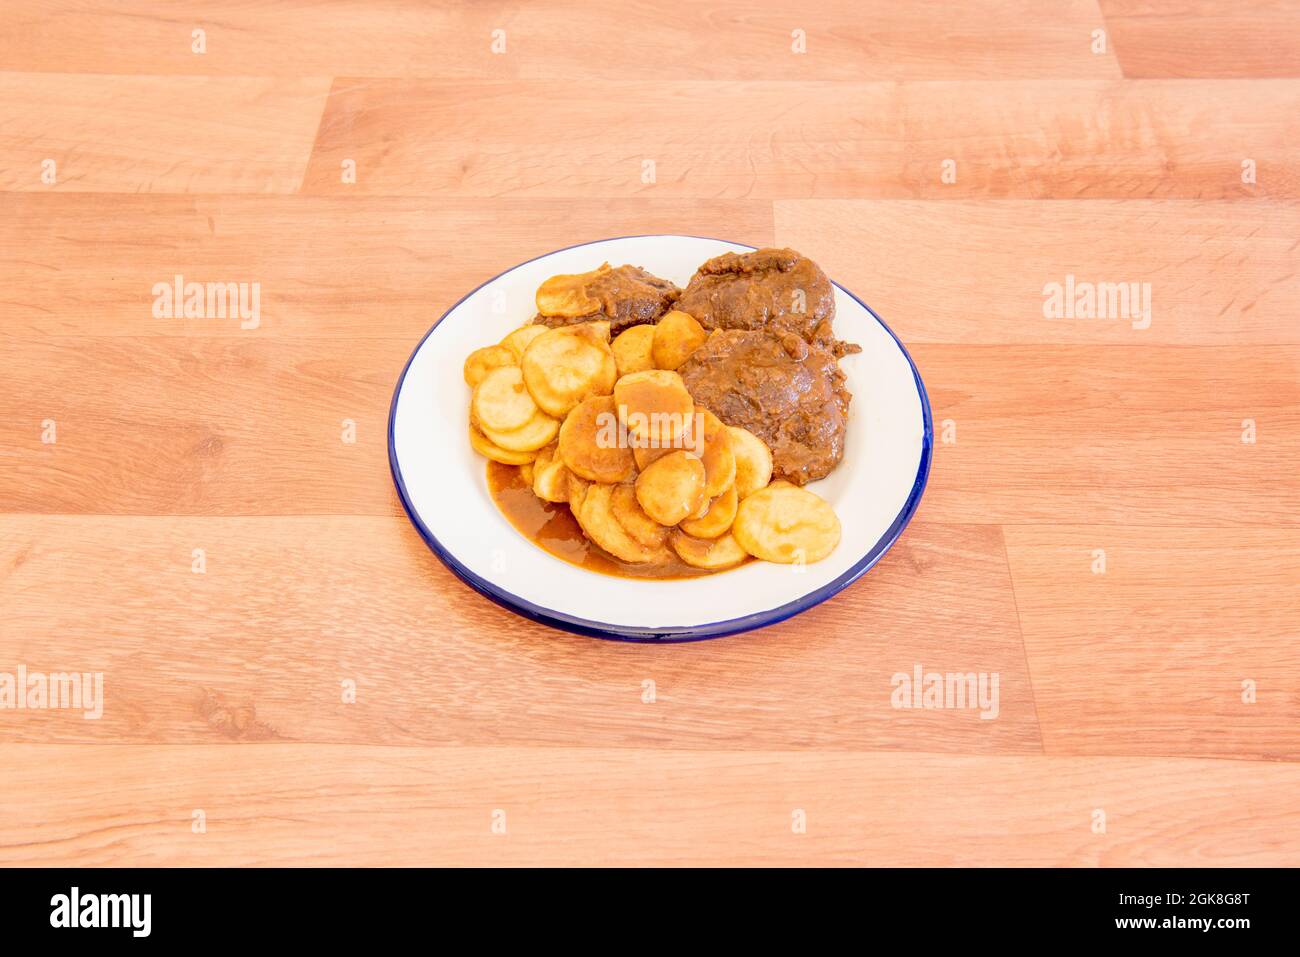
(501, 402)
(633, 349)
(719, 457)
(718, 470)
(598, 329)
(482, 361)
(713, 554)
(717, 519)
(577, 492)
(654, 405)
(597, 520)
(629, 513)
(550, 476)
(566, 295)
(540, 430)
(563, 366)
(551, 484)
(672, 488)
(645, 454)
(753, 461)
(526, 473)
(518, 340)
(485, 447)
(677, 335)
(589, 442)
(784, 523)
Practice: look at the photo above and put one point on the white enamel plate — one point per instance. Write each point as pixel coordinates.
(442, 481)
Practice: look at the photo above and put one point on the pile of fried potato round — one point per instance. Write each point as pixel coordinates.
(541, 398)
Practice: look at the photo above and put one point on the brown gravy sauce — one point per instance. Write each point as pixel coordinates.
(553, 528)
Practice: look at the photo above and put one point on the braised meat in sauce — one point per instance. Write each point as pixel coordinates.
(625, 295)
(774, 289)
(788, 392)
(770, 364)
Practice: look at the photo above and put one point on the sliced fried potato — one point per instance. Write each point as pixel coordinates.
(518, 340)
(753, 461)
(633, 349)
(566, 295)
(551, 484)
(597, 329)
(672, 488)
(654, 405)
(589, 442)
(501, 402)
(645, 454)
(719, 458)
(784, 523)
(485, 447)
(526, 473)
(538, 431)
(577, 492)
(676, 336)
(550, 476)
(563, 366)
(629, 513)
(713, 554)
(597, 520)
(717, 519)
(482, 361)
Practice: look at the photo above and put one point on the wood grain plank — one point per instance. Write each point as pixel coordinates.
(256, 647)
(326, 266)
(197, 426)
(808, 139)
(1220, 273)
(1204, 38)
(1103, 434)
(122, 134)
(585, 39)
(300, 805)
(1171, 629)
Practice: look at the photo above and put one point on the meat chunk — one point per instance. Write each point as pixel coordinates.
(774, 289)
(625, 295)
(788, 392)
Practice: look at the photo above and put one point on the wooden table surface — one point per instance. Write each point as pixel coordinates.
(1112, 524)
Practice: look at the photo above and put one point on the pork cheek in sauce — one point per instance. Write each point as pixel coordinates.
(788, 392)
(777, 290)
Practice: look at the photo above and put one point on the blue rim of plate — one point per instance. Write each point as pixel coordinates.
(715, 629)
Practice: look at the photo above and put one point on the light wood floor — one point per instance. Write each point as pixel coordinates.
(1149, 711)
